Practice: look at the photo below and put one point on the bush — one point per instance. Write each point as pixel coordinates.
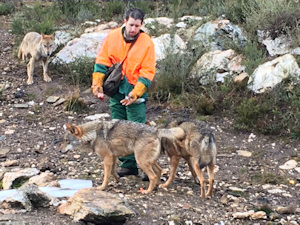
(36, 18)
(78, 11)
(173, 74)
(75, 104)
(7, 8)
(114, 9)
(78, 72)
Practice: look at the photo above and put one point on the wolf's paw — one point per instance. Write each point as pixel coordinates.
(101, 188)
(47, 79)
(162, 186)
(29, 82)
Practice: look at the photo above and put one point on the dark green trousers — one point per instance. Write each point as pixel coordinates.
(133, 112)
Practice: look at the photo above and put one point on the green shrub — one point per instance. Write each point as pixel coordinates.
(173, 76)
(7, 8)
(35, 18)
(254, 55)
(249, 111)
(114, 9)
(78, 72)
(268, 178)
(78, 11)
(261, 14)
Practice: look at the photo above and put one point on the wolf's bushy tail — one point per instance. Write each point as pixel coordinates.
(174, 134)
(20, 53)
(208, 150)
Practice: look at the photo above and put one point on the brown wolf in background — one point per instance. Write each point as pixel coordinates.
(117, 138)
(37, 47)
(198, 148)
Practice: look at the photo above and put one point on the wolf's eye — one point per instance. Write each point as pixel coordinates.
(50, 46)
(45, 46)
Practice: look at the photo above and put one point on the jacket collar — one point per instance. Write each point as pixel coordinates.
(131, 39)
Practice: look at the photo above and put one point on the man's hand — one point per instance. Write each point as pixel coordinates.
(138, 90)
(98, 92)
(97, 83)
(128, 100)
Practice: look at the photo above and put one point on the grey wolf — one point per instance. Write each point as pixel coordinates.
(37, 47)
(116, 138)
(198, 148)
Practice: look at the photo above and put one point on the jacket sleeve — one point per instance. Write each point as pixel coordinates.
(147, 69)
(102, 61)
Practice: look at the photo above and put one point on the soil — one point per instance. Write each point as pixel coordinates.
(33, 144)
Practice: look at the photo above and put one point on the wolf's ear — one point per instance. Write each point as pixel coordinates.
(77, 131)
(73, 129)
(52, 36)
(67, 126)
(43, 35)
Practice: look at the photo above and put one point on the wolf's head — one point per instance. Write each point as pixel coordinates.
(75, 135)
(71, 138)
(48, 44)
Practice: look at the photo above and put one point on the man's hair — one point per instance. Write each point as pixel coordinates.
(135, 13)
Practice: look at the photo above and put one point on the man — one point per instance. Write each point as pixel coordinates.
(138, 71)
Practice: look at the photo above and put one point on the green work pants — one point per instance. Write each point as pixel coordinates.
(133, 112)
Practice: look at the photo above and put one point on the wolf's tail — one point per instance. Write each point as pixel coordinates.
(20, 54)
(174, 134)
(208, 150)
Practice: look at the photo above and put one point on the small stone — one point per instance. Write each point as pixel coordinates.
(259, 215)
(291, 164)
(10, 163)
(52, 99)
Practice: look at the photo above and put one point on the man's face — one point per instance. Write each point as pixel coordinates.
(132, 26)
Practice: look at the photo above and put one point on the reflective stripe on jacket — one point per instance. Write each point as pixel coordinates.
(140, 61)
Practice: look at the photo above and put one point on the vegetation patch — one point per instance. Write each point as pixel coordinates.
(268, 178)
(75, 104)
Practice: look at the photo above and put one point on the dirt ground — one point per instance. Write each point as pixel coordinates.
(35, 129)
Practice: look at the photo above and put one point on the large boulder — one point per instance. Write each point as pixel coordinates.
(95, 206)
(271, 73)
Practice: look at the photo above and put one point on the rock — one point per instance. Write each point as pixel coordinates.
(42, 179)
(268, 75)
(10, 178)
(97, 116)
(3, 152)
(18, 200)
(218, 64)
(244, 153)
(86, 46)
(291, 164)
(213, 33)
(285, 210)
(35, 196)
(259, 215)
(52, 99)
(274, 216)
(95, 206)
(163, 42)
(9, 132)
(59, 102)
(241, 78)
(224, 199)
(21, 106)
(278, 46)
(242, 215)
(10, 163)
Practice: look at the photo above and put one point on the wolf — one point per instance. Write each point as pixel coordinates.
(37, 47)
(198, 148)
(116, 138)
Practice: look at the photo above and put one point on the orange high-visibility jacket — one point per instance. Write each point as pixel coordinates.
(140, 61)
